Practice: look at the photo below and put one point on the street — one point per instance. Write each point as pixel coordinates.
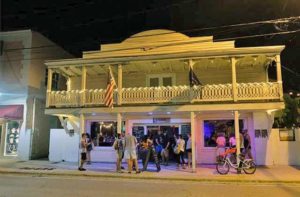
(14, 186)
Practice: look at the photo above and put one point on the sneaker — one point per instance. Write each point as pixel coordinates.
(81, 169)
(137, 172)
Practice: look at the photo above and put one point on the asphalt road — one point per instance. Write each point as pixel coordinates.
(24, 186)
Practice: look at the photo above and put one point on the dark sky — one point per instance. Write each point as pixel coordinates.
(80, 25)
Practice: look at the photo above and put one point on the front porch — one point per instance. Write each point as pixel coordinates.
(255, 92)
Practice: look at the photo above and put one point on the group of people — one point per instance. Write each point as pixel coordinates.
(245, 143)
(157, 147)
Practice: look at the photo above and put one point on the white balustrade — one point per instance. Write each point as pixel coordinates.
(65, 98)
(258, 91)
(170, 94)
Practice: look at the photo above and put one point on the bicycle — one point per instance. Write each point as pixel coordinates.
(224, 163)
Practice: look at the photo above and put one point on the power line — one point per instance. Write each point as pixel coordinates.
(197, 29)
(259, 35)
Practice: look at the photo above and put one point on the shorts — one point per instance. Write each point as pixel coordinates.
(130, 154)
(189, 150)
(83, 156)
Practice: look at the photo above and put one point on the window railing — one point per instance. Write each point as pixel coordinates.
(170, 94)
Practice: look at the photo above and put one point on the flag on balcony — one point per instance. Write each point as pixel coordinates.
(111, 83)
(193, 78)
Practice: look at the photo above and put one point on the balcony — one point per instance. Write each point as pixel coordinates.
(251, 92)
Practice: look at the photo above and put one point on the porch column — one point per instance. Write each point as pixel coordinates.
(120, 76)
(81, 131)
(68, 83)
(83, 86)
(233, 74)
(279, 76)
(237, 133)
(49, 87)
(193, 136)
(119, 123)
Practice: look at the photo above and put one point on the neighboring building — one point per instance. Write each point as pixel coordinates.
(24, 127)
(152, 74)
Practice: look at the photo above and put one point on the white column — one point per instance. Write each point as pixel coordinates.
(81, 131)
(83, 85)
(120, 78)
(49, 87)
(233, 74)
(68, 83)
(279, 76)
(193, 136)
(237, 133)
(119, 123)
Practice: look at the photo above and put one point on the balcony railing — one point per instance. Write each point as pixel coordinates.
(171, 94)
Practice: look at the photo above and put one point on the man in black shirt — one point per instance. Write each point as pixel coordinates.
(165, 150)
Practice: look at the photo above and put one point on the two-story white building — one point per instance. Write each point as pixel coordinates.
(24, 127)
(153, 93)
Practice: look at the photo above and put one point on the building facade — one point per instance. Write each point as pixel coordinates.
(154, 92)
(24, 127)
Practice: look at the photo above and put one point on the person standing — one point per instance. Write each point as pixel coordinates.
(221, 143)
(130, 143)
(232, 141)
(119, 148)
(165, 150)
(189, 150)
(242, 147)
(83, 146)
(89, 148)
(180, 143)
(247, 144)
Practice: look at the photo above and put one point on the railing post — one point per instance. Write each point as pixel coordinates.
(120, 84)
(83, 86)
(49, 87)
(234, 84)
(279, 77)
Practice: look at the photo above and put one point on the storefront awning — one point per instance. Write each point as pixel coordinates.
(11, 112)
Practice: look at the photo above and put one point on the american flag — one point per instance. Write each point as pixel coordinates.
(111, 83)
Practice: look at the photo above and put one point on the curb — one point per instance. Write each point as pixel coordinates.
(137, 177)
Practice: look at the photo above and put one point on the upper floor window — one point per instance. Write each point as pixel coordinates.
(156, 80)
(55, 80)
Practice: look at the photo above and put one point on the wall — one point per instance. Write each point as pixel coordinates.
(63, 147)
(262, 145)
(40, 138)
(282, 152)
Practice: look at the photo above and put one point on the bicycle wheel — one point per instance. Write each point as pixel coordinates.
(222, 167)
(249, 167)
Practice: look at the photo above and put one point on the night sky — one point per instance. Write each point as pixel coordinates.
(81, 25)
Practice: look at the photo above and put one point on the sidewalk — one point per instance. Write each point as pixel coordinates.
(206, 173)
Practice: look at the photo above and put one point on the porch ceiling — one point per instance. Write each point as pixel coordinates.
(169, 66)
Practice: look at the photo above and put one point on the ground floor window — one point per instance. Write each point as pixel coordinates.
(12, 137)
(103, 133)
(214, 127)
